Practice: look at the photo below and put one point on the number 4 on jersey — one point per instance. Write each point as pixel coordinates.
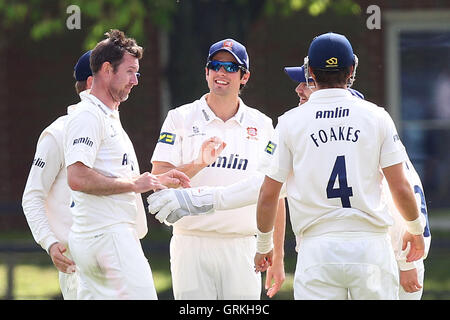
(344, 192)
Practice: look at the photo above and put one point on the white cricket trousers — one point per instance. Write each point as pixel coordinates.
(346, 265)
(214, 268)
(111, 265)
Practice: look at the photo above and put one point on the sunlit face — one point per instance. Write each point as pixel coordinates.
(124, 78)
(304, 92)
(224, 83)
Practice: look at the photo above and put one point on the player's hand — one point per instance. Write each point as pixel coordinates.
(174, 179)
(263, 261)
(276, 273)
(416, 246)
(61, 262)
(172, 204)
(210, 150)
(146, 182)
(409, 280)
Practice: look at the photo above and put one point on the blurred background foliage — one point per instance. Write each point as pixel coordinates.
(49, 17)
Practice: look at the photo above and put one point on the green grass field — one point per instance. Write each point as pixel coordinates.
(36, 278)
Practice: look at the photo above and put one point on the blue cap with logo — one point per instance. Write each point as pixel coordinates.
(330, 51)
(82, 69)
(232, 46)
(297, 73)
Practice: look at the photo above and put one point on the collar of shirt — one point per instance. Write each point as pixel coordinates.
(329, 93)
(86, 96)
(71, 108)
(208, 115)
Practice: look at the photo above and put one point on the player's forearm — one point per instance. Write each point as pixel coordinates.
(38, 222)
(189, 169)
(279, 232)
(401, 191)
(87, 180)
(406, 202)
(267, 205)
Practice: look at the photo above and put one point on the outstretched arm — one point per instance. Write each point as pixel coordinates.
(85, 179)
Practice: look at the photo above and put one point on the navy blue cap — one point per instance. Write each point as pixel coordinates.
(232, 46)
(83, 68)
(297, 73)
(330, 51)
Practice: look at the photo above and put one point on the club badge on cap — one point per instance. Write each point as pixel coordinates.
(238, 51)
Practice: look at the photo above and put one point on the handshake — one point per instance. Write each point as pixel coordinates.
(170, 205)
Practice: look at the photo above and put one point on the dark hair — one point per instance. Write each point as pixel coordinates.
(80, 86)
(331, 79)
(112, 50)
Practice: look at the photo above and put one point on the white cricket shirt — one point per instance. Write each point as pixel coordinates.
(397, 230)
(183, 132)
(94, 136)
(46, 198)
(330, 152)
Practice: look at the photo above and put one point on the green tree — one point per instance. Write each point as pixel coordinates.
(48, 17)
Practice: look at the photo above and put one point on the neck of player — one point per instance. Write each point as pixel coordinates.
(224, 107)
(102, 94)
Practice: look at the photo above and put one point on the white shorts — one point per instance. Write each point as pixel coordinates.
(209, 268)
(111, 265)
(403, 295)
(339, 266)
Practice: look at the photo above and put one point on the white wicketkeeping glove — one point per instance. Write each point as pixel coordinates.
(172, 204)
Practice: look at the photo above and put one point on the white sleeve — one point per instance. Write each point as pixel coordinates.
(392, 149)
(276, 158)
(46, 165)
(169, 145)
(239, 194)
(83, 135)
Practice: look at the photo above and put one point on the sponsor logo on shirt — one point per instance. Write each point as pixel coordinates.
(38, 163)
(270, 148)
(126, 161)
(167, 137)
(85, 140)
(231, 162)
(339, 112)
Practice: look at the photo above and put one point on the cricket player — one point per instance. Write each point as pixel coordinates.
(46, 198)
(411, 274)
(331, 153)
(102, 172)
(304, 89)
(212, 255)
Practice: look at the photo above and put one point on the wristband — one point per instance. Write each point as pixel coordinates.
(264, 241)
(414, 227)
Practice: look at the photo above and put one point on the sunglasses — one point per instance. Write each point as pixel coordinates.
(228, 66)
